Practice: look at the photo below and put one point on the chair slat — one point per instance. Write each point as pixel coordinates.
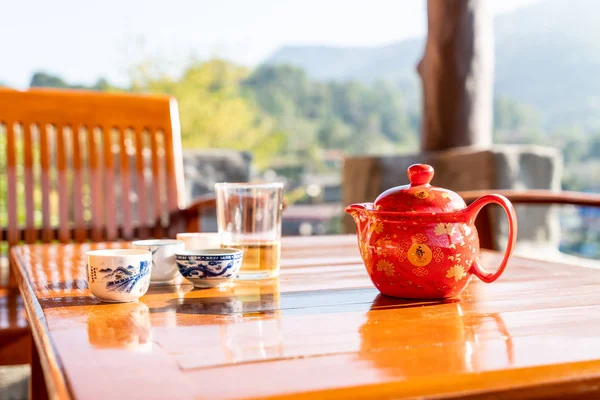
(109, 185)
(64, 235)
(95, 182)
(175, 174)
(11, 187)
(126, 222)
(28, 176)
(78, 220)
(141, 188)
(157, 185)
(47, 231)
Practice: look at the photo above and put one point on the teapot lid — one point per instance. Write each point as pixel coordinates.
(419, 195)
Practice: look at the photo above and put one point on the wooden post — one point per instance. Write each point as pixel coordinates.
(457, 75)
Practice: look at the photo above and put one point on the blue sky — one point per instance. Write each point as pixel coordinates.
(81, 40)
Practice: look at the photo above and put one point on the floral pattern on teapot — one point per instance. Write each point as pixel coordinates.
(431, 260)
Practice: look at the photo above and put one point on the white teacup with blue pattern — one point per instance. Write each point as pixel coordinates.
(164, 269)
(118, 275)
(209, 267)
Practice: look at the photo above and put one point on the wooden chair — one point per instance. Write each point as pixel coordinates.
(519, 197)
(86, 166)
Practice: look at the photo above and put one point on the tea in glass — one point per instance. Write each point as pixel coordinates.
(249, 218)
(259, 258)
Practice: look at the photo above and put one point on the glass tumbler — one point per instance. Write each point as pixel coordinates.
(249, 218)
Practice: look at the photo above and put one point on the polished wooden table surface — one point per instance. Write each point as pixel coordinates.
(321, 330)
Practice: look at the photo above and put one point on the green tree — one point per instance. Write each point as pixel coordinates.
(214, 113)
(516, 122)
(42, 79)
(349, 116)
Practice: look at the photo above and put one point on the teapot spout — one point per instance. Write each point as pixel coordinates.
(360, 214)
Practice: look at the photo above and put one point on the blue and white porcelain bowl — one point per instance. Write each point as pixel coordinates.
(209, 267)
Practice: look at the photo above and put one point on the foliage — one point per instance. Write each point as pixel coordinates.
(582, 162)
(42, 79)
(512, 116)
(287, 119)
(213, 111)
(350, 116)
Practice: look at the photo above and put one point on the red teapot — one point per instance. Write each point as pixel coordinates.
(419, 241)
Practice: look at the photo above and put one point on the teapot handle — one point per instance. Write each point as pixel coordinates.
(506, 205)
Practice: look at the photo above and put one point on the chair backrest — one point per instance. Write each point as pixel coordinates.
(84, 165)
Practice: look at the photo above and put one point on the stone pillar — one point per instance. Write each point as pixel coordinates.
(203, 168)
(457, 72)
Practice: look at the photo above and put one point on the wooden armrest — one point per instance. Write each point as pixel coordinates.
(201, 203)
(210, 201)
(189, 217)
(537, 196)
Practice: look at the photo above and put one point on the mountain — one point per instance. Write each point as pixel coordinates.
(119, 273)
(336, 63)
(547, 56)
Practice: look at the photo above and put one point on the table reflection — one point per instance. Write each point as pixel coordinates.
(120, 326)
(432, 337)
(248, 315)
(259, 335)
(244, 298)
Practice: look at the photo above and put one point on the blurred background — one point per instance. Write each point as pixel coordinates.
(285, 90)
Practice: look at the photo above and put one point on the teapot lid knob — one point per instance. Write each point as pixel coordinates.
(420, 174)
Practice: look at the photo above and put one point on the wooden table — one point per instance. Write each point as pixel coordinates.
(320, 331)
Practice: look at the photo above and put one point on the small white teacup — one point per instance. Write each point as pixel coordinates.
(200, 240)
(118, 275)
(164, 267)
